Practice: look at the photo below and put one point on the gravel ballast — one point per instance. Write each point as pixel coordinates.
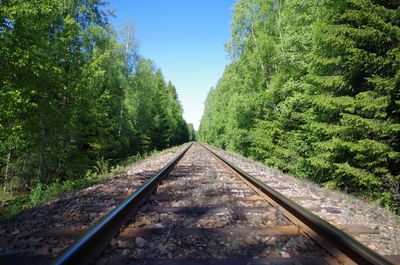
(333, 206)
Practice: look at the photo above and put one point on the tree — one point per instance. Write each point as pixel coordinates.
(74, 93)
(313, 89)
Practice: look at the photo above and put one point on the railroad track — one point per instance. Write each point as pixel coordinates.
(200, 209)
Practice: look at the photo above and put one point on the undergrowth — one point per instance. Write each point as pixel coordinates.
(40, 194)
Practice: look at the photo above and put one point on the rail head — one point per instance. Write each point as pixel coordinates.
(91, 244)
(349, 248)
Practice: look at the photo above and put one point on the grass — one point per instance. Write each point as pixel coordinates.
(40, 194)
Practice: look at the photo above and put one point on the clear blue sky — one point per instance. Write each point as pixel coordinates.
(185, 38)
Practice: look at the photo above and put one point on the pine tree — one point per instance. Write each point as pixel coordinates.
(313, 89)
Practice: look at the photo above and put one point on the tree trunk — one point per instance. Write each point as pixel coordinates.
(120, 120)
(42, 165)
(5, 180)
(256, 45)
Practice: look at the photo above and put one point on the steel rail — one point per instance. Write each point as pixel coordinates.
(340, 245)
(99, 236)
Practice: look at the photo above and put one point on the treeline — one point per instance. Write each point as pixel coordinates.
(75, 94)
(314, 89)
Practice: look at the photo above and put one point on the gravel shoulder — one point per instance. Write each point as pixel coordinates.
(333, 206)
(50, 228)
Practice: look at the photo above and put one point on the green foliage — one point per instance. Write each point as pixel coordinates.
(36, 195)
(74, 98)
(313, 89)
(192, 132)
(40, 193)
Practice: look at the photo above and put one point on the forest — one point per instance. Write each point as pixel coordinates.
(313, 88)
(76, 95)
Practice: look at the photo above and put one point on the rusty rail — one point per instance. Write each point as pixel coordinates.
(341, 246)
(93, 242)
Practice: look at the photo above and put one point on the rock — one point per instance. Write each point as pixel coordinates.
(125, 252)
(143, 222)
(273, 240)
(68, 241)
(186, 222)
(114, 242)
(140, 242)
(175, 204)
(285, 254)
(9, 252)
(102, 261)
(195, 254)
(161, 248)
(166, 221)
(53, 241)
(44, 250)
(301, 243)
(211, 243)
(158, 225)
(372, 246)
(35, 239)
(250, 240)
(219, 224)
(31, 251)
(56, 217)
(56, 250)
(257, 219)
(84, 219)
(292, 242)
(202, 222)
(123, 243)
(145, 253)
